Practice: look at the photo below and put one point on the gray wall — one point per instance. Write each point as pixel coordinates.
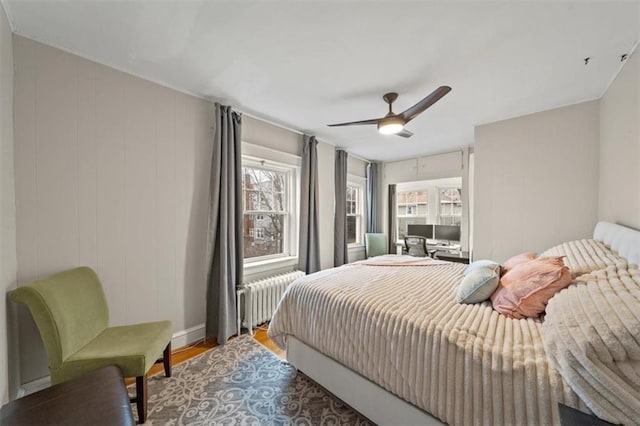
(619, 197)
(8, 263)
(536, 181)
(111, 172)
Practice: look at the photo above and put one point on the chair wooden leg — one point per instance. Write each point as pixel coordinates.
(166, 360)
(141, 398)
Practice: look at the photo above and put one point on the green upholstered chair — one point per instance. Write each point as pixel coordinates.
(375, 244)
(72, 316)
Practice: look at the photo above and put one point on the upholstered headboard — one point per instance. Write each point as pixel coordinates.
(625, 241)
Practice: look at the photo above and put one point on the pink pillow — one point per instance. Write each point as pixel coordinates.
(515, 261)
(525, 290)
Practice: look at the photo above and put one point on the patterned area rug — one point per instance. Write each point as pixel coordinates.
(242, 383)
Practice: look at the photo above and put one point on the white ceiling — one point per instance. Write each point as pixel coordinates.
(306, 64)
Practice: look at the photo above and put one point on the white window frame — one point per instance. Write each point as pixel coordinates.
(360, 183)
(258, 233)
(258, 267)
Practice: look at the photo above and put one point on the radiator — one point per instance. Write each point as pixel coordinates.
(261, 298)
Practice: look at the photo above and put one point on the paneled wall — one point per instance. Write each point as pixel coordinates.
(8, 264)
(536, 181)
(111, 172)
(619, 197)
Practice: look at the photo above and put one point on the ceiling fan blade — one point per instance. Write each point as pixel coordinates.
(404, 133)
(356, 123)
(431, 99)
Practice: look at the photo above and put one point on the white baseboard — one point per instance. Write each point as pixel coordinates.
(34, 386)
(188, 336)
(179, 339)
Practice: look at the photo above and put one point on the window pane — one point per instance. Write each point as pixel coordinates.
(263, 234)
(265, 193)
(412, 203)
(450, 206)
(264, 189)
(351, 230)
(279, 201)
(353, 214)
(251, 200)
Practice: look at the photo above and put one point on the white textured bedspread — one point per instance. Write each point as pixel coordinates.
(400, 327)
(592, 334)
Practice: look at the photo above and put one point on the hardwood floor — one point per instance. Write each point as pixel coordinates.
(187, 352)
(261, 336)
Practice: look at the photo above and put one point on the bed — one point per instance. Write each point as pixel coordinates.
(391, 342)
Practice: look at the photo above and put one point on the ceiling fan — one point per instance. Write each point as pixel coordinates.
(392, 123)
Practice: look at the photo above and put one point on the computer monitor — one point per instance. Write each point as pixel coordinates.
(447, 232)
(420, 230)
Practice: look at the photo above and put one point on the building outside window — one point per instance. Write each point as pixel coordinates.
(267, 200)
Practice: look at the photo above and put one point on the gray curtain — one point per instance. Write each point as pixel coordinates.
(225, 251)
(372, 197)
(340, 253)
(392, 219)
(309, 243)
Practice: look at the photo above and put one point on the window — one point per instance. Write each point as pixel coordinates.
(436, 201)
(267, 197)
(354, 214)
(450, 206)
(412, 209)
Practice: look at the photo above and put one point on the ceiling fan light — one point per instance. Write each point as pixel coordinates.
(390, 125)
(390, 129)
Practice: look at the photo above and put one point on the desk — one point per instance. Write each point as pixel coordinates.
(460, 257)
(432, 248)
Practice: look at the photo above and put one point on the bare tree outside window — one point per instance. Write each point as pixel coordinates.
(265, 211)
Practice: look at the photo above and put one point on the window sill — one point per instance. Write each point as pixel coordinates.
(261, 266)
(356, 247)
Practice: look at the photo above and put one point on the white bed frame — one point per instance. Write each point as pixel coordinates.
(377, 404)
(383, 407)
